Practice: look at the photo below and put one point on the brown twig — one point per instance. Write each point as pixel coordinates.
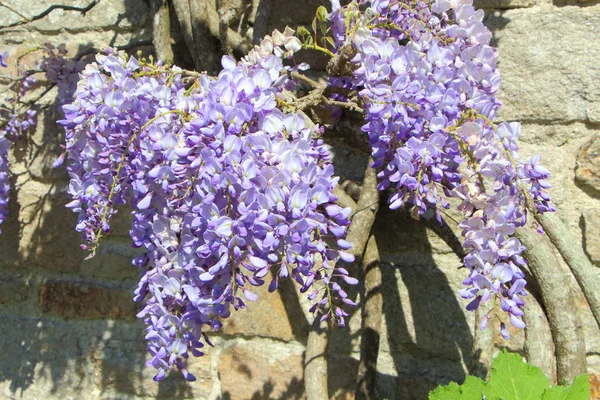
(539, 347)
(559, 302)
(305, 79)
(226, 16)
(571, 251)
(350, 105)
(82, 10)
(161, 31)
(261, 20)
(371, 311)
(363, 216)
(315, 361)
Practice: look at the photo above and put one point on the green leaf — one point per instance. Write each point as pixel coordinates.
(330, 41)
(450, 392)
(323, 29)
(302, 31)
(322, 13)
(472, 389)
(513, 379)
(579, 390)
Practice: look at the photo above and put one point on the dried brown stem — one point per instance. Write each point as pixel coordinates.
(315, 361)
(363, 216)
(483, 347)
(559, 302)
(571, 251)
(539, 347)
(161, 31)
(261, 20)
(191, 15)
(371, 322)
(305, 79)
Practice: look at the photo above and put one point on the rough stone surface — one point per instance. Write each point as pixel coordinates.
(72, 300)
(252, 322)
(247, 371)
(13, 291)
(587, 171)
(113, 261)
(66, 326)
(111, 14)
(591, 233)
(548, 63)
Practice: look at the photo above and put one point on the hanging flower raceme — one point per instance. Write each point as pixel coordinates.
(427, 78)
(227, 190)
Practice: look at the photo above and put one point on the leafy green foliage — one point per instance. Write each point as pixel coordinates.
(580, 389)
(470, 390)
(512, 379)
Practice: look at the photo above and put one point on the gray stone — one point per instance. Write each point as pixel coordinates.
(113, 14)
(548, 60)
(587, 172)
(113, 261)
(247, 371)
(254, 321)
(51, 359)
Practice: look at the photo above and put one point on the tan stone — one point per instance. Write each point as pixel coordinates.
(548, 60)
(248, 370)
(39, 230)
(265, 317)
(587, 172)
(73, 300)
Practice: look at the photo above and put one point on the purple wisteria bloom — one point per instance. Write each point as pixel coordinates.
(225, 189)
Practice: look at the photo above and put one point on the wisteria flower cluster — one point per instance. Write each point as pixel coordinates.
(232, 188)
(19, 110)
(228, 191)
(4, 170)
(427, 77)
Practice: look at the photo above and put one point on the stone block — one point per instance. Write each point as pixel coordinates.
(587, 172)
(119, 367)
(261, 369)
(84, 301)
(548, 62)
(265, 317)
(40, 231)
(14, 291)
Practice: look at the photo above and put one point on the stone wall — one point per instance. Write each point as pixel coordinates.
(68, 328)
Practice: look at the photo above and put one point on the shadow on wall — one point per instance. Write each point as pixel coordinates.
(429, 337)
